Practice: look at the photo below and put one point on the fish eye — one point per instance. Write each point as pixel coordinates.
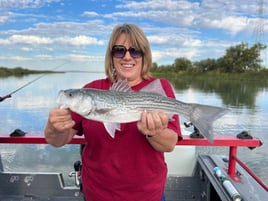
(70, 94)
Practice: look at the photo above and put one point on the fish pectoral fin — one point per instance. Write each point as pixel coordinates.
(103, 111)
(111, 128)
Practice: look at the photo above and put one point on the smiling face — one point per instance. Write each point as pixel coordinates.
(119, 64)
(128, 67)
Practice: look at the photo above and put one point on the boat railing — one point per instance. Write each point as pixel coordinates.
(224, 141)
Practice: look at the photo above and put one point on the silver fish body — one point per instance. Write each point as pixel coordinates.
(113, 107)
(116, 106)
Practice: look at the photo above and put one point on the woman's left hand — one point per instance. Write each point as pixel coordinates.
(152, 123)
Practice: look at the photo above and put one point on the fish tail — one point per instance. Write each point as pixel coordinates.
(203, 116)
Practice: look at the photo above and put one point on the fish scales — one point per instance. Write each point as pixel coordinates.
(153, 102)
(123, 107)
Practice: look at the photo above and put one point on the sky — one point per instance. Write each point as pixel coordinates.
(73, 34)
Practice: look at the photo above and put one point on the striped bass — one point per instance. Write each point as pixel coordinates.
(122, 105)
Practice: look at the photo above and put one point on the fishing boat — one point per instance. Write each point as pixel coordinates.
(191, 176)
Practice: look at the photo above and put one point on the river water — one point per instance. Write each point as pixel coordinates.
(28, 110)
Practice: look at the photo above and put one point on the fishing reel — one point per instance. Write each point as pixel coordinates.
(77, 174)
(196, 133)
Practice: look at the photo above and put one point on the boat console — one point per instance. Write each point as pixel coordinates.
(36, 186)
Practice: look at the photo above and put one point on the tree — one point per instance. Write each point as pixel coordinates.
(241, 58)
(182, 64)
(206, 65)
(154, 67)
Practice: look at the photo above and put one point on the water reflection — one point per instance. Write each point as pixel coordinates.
(233, 93)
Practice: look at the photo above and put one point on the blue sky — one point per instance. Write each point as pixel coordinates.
(68, 34)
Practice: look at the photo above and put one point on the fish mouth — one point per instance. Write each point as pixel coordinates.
(60, 99)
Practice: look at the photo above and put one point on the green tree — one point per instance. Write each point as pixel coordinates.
(154, 67)
(182, 64)
(241, 58)
(206, 65)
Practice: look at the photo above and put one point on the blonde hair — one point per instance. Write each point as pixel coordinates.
(138, 39)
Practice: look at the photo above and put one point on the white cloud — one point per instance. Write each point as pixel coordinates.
(231, 24)
(174, 40)
(4, 42)
(168, 55)
(231, 16)
(160, 5)
(83, 58)
(3, 19)
(90, 14)
(37, 40)
(22, 4)
(57, 29)
(34, 40)
(79, 40)
(45, 57)
(16, 58)
(158, 39)
(26, 49)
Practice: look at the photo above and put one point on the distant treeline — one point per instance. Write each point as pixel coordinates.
(238, 59)
(19, 71)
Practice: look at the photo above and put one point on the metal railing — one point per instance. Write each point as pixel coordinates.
(227, 141)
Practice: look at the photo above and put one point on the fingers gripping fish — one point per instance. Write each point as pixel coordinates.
(122, 105)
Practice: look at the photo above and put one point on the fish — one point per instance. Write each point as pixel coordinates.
(120, 104)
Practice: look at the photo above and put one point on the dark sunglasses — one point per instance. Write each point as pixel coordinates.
(119, 51)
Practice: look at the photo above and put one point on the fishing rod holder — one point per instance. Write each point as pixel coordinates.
(196, 133)
(77, 174)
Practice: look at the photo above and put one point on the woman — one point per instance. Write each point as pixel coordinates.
(130, 166)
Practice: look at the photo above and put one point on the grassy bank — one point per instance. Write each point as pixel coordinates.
(248, 76)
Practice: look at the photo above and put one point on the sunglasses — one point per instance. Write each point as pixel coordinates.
(119, 51)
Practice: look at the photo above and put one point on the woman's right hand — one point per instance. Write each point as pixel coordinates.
(58, 130)
(60, 120)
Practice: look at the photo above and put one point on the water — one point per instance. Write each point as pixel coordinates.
(28, 110)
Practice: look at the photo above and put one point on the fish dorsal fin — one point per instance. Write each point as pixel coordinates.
(155, 87)
(121, 85)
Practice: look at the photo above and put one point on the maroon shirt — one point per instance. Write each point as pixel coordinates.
(126, 167)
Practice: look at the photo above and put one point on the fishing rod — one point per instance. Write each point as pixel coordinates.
(2, 98)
